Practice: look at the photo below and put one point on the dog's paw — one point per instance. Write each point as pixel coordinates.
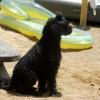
(55, 94)
(40, 94)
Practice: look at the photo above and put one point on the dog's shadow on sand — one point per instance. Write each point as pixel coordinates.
(15, 94)
(19, 94)
(12, 93)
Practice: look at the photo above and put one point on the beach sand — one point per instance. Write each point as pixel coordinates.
(79, 74)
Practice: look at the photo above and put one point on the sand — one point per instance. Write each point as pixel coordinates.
(79, 73)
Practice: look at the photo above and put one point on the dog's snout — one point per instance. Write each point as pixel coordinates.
(70, 29)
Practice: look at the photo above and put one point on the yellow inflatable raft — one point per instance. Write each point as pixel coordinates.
(29, 18)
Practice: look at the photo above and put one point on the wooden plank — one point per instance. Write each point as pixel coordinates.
(7, 52)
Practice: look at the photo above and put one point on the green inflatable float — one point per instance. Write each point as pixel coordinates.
(29, 18)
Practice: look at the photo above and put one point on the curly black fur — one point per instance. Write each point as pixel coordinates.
(42, 61)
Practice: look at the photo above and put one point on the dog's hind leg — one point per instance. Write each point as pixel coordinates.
(23, 83)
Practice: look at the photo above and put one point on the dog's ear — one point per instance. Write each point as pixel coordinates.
(55, 28)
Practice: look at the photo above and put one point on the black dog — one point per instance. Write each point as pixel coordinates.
(42, 61)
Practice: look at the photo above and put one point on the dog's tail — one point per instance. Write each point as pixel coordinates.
(5, 83)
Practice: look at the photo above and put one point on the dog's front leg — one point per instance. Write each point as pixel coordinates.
(42, 90)
(52, 88)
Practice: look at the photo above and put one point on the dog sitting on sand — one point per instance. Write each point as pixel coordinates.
(42, 61)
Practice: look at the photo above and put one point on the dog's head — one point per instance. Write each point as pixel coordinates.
(58, 25)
